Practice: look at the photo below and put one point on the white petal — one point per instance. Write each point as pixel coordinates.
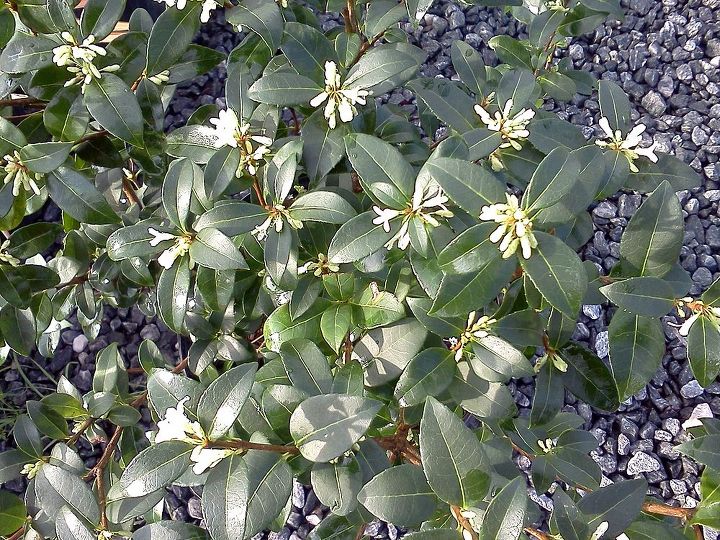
(605, 126)
(319, 99)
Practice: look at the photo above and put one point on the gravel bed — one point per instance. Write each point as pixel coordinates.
(666, 56)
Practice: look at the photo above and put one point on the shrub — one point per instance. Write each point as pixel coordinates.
(355, 281)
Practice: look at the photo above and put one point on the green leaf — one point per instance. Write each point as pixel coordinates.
(703, 449)
(324, 427)
(99, 17)
(172, 294)
(27, 437)
(26, 52)
(337, 485)
(56, 487)
(323, 148)
(546, 134)
(170, 36)
(505, 515)
(170, 530)
(115, 107)
(469, 251)
(152, 469)
(652, 240)
(389, 349)
(12, 513)
(44, 157)
(554, 178)
(549, 395)
(511, 51)
(357, 239)
(589, 378)
(496, 360)
(481, 142)
(303, 297)
(557, 273)
(618, 504)
(70, 527)
(378, 65)
(194, 142)
(399, 495)
(614, 105)
(107, 366)
(11, 463)
(484, 399)
(703, 346)
(469, 66)
(263, 18)
(335, 324)
(306, 366)
(284, 89)
(452, 457)
(518, 85)
(324, 206)
(307, 49)
(18, 328)
(221, 402)
(167, 389)
(383, 171)
(134, 241)
(647, 296)
(468, 185)
(280, 327)
(447, 101)
(429, 373)
(281, 255)
(77, 196)
(177, 191)
(32, 239)
(232, 217)
(667, 169)
(212, 249)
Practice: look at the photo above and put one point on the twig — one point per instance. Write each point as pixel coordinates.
(697, 529)
(249, 445)
(26, 102)
(296, 123)
(361, 531)
(537, 534)
(463, 521)
(667, 510)
(129, 192)
(102, 499)
(79, 433)
(17, 534)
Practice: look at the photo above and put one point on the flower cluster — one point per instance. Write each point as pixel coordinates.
(514, 229)
(547, 445)
(21, 177)
(477, 328)
(207, 7)
(6, 257)
(229, 132)
(340, 100)
(178, 249)
(424, 200)
(176, 426)
(79, 59)
(628, 146)
(512, 127)
(276, 218)
(319, 268)
(696, 308)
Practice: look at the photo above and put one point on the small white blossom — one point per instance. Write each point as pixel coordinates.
(31, 469)
(628, 146)
(178, 249)
(319, 268)
(538, 6)
(600, 531)
(207, 7)
(283, 3)
(690, 309)
(176, 426)
(514, 229)
(340, 100)
(79, 59)
(229, 132)
(547, 445)
(161, 78)
(277, 217)
(512, 127)
(428, 201)
(6, 257)
(20, 175)
(477, 328)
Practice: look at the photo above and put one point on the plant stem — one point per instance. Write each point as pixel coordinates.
(81, 430)
(17, 534)
(27, 101)
(248, 445)
(463, 521)
(537, 534)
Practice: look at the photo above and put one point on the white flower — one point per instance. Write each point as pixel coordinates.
(515, 227)
(319, 268)
(340, 100)
(513, 128)
(207, 458)
(685, 328)
(178, 249)
(600, 531)
(547, 445)
(79, 59)
(477, 328)
(207, 7)
(229, 132)
(628, 146)
(276, 218)
(283, 3)
(31, 469)
(161, 78)
(176, 426)
(427, 202)
(20, 175)
(691, 309)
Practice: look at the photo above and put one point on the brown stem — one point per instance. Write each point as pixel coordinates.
(463, 521)
(102, 499)
(79, 433)
(20, 117)
(537, 534)
(91, 136)
(77, 280)
(17, 534)
(698, 530)
(667, 510)
(129, 192)
(106, 455)
(347, 349)
(364, 48)
(27, 102)
(249, 445)
(258, 192)
(296, 123)
(361, 531)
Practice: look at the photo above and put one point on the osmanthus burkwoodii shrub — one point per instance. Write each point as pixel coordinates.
(353, 285)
